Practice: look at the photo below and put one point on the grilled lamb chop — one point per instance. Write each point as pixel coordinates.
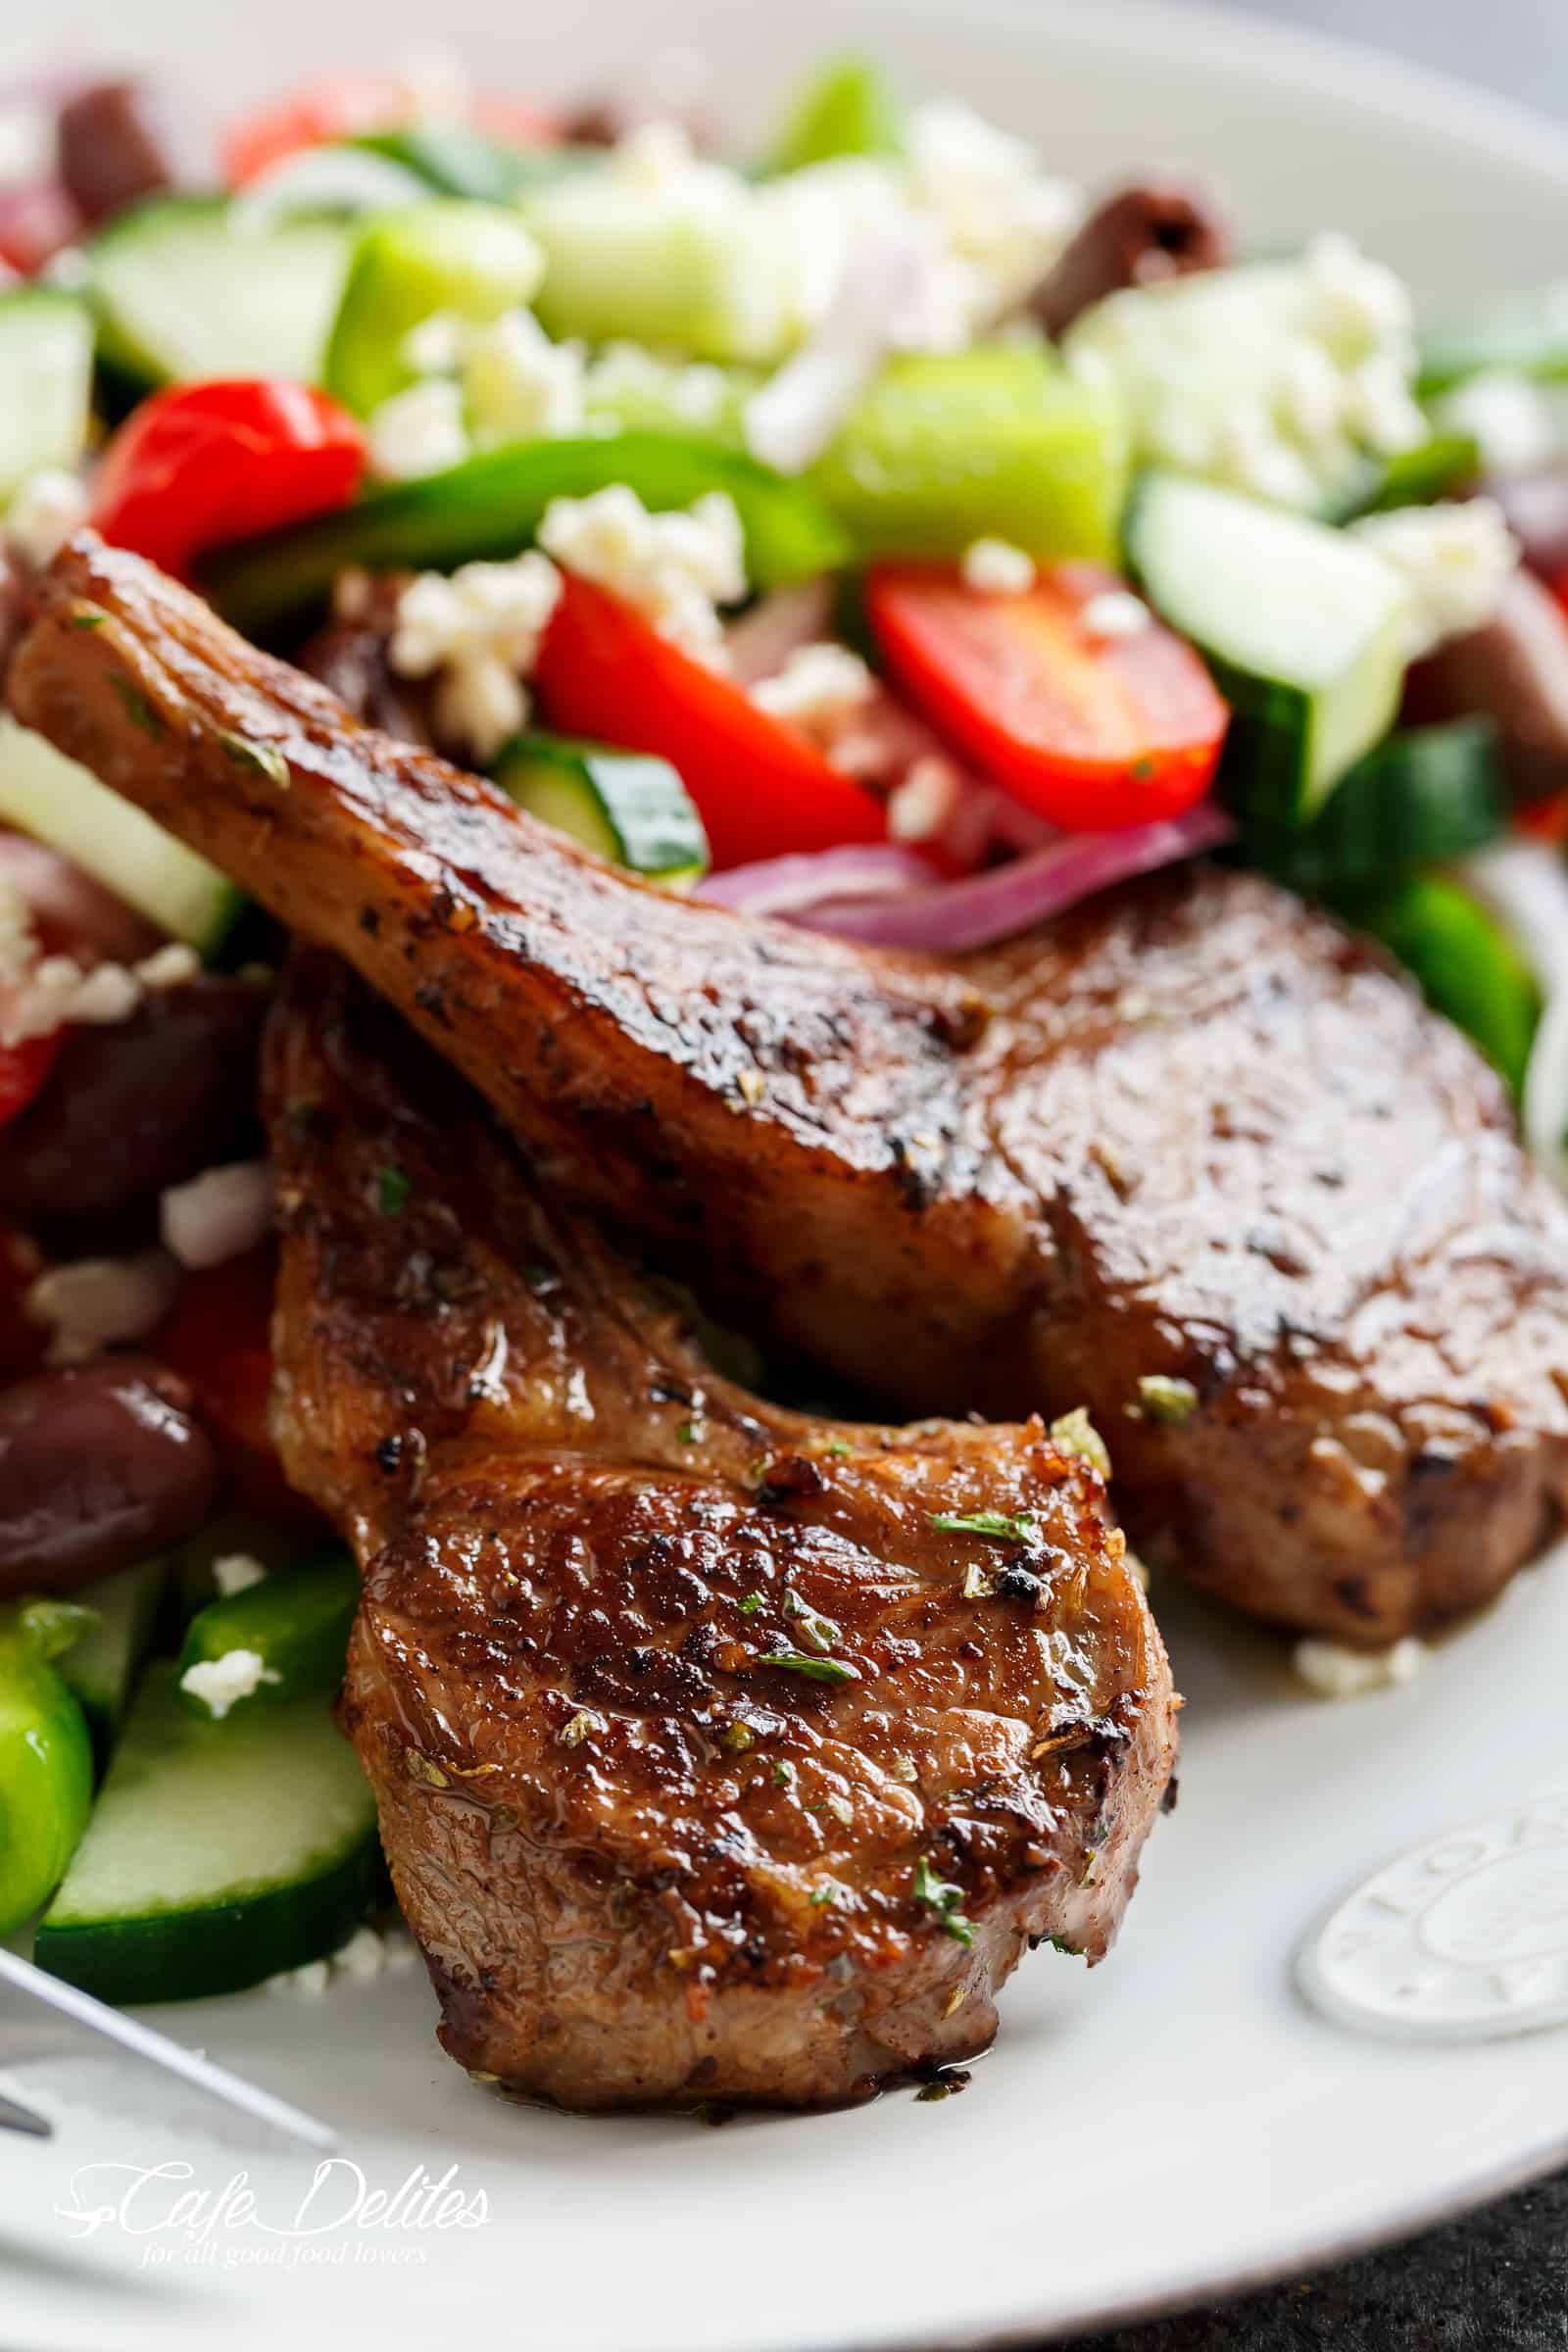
(1191, 1133)
(709, 1764)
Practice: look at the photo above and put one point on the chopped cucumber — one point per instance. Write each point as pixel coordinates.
(1415, 477)
(469, 261)
(990, 443)
(46, 339)
(844, 109)
(1303, 628)
(297, 1623)
(219, 1853)
(1426, 794)
(102, 1665)
(185, 290)
(630, 807)
(58, 801)
(702, 270)
(1524, 334)
(1467, 966)
(491, 505)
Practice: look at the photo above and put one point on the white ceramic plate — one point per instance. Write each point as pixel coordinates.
(1177, 2124)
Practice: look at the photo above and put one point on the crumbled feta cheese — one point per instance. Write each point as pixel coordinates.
(57, 992)
(480, 630)
(45, 510)
(1508, 418)
(1004, 218)
(996, 568)
(924, 801)
(174, 966)
(366, 1955)
(1456, 560)
(674, 568)
(237, 1572)
(18, 941)
(417, 431)
(218, 1215)
(308, 1982)
(817, 689)
(519, 386)
(435, 346)
(1117, 612)
(1335, 1672)
(221, 1682)
(353, 595)
(96, 1302)
(1278, 379)
(627, 381)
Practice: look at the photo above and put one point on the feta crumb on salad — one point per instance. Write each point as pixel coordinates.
(1004, 218)
(218, 1215)
(221, 1682)
(519, 385)
(925, 800)
(1455, 558)
(1117, 613)
(43, 514)
(1335, 1672)
(817, 689)
(479, 631)
(1508, 418)
(626, 378)
(994, 567)
(676, 568)
(367, 1954)
(50, 992)
(237, 1572)
(96, 1302)
(418, 431)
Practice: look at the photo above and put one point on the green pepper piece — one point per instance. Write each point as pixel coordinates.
(45, 1757)
(1523, 334)
(997, 442)
(473, 261)
(1467, 965)
(295, 1622)
(490, 508)
(846, 109)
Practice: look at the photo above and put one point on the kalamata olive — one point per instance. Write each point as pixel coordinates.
(1153, 229)
(118, 141)
(134, 1107)
(1515, 672)
(352, 659)
(100, 1466)
(72, 914)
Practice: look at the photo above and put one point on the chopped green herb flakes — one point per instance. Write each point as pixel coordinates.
(815, 1670)
(1075, 1433)
(392, 1190)
(1162, 1398)
(996, 1525)
(944, 1898)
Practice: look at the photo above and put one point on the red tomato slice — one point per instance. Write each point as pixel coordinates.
(218, 1338)
(202, 465)
(23, 1072)
(760, 786)
(1093, 732)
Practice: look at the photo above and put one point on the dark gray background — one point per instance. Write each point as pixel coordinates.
(1497, 2282)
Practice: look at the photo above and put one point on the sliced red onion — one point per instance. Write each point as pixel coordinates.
(978, 910)
(761, 641)
(864, 873)
(1525, 884)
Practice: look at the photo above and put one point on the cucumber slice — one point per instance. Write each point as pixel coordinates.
(1425, 796)
(297, 1623)
(491, 505)
(844, 109)
(101, 1667)
(45, 1758)
(454, 159)
(471, 261)
(184, 291)
(1303, 628)
(46, 339)
(990, 443)
(58, 801)
(218, 1853)
(628, 807)
(701, 269)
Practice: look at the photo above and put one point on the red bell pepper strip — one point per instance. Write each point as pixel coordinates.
(760, 787)
(1092, 731)
(201, 464)
(219, 1339)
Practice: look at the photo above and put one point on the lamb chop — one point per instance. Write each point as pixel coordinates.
(1191, 1156)
(720, 1751)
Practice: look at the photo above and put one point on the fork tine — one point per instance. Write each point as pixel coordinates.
(14, 2117)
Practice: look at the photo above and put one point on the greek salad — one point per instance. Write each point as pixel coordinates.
(869, 528)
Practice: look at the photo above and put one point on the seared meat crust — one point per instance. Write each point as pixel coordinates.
(1193, 1130)
(644, 1862)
